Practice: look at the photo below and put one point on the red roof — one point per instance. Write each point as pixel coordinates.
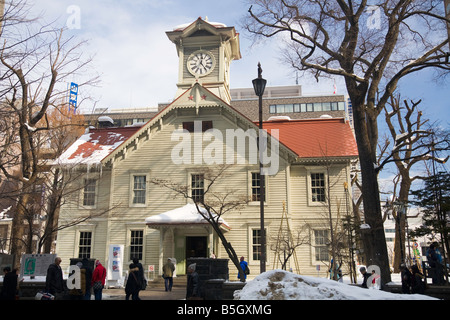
(313, 138)
(95, 145)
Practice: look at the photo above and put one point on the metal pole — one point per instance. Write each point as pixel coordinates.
(262, 193)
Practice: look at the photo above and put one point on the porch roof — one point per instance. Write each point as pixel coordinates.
(186, 215)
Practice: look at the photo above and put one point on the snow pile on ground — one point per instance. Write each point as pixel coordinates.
(283, 285)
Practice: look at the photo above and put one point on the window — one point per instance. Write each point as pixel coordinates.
(256, 188)
(136, 244)
(303, 107)
(197, 187)
(318, 187)
(84, 245)
(190, 125)
(273, 109)
(256, 244)
(320, 245)
(139, 189)
(89, 192)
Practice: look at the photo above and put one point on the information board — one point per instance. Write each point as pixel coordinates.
(36, 264)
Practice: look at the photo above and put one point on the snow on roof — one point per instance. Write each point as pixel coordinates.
(283, 285)
(187, 214)
(93, 146)
(183, 26)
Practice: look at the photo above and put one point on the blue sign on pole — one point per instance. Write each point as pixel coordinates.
(73, 96)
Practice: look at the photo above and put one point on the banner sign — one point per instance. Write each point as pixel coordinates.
(73, 96)
(115, 261)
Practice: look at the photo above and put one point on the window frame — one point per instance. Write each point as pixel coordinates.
(250, 188)
(132, 190)
(131, 253)
(250, 258)
(83, 193)
(309, 172)
(89, 246)
(319, 247)
(191, 181)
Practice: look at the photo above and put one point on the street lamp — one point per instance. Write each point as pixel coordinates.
(259, 84)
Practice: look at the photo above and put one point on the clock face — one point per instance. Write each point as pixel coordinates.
(200, 63)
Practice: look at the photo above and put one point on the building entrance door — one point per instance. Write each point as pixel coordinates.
(196, 247)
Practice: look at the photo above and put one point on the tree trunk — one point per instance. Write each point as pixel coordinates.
(366, 132)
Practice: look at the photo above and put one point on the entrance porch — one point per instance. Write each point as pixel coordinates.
(184, 234)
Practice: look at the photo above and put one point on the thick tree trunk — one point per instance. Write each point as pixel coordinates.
(366, 132)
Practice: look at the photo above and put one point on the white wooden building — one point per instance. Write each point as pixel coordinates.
(309, 163)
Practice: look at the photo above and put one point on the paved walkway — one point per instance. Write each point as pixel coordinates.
(151, 293)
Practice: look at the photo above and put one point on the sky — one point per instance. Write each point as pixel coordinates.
(137, 62)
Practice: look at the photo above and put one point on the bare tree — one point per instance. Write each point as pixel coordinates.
(212, 204)
(372, 47)
(414, 141)
(36, 61)
(287, 240)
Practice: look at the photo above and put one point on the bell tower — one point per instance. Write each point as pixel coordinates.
(205, 50)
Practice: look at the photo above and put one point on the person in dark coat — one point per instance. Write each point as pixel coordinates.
(192, 288)
(365, 275)
(9, 288)
(133, 284)
(54, 282)
(417, 281)
(88, 274)
(141, 279)
(406, 277)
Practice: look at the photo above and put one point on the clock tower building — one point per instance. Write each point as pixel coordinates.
(205, 50)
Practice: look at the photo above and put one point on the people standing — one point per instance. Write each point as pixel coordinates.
(406, 277)
(133, 284)
(98, 280)
(54, 282)
(435, 265)
(141, 278)
(88, 275)
(244, 266)
(9, 289)
(365, 275)
(417, 281)
(168, 270)
(192, 288)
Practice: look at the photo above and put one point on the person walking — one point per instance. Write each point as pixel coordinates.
(98, 280)
(192, 288)
(9, 289)
(54, 282)
(244, 266)
(168, 270)
(133, 284)
(141, 277)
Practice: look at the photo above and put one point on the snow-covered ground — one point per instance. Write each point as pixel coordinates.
(283, 285)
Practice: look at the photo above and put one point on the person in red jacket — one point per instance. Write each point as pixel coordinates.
(98, 280)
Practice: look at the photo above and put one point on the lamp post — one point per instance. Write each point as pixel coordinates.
(259, 84)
